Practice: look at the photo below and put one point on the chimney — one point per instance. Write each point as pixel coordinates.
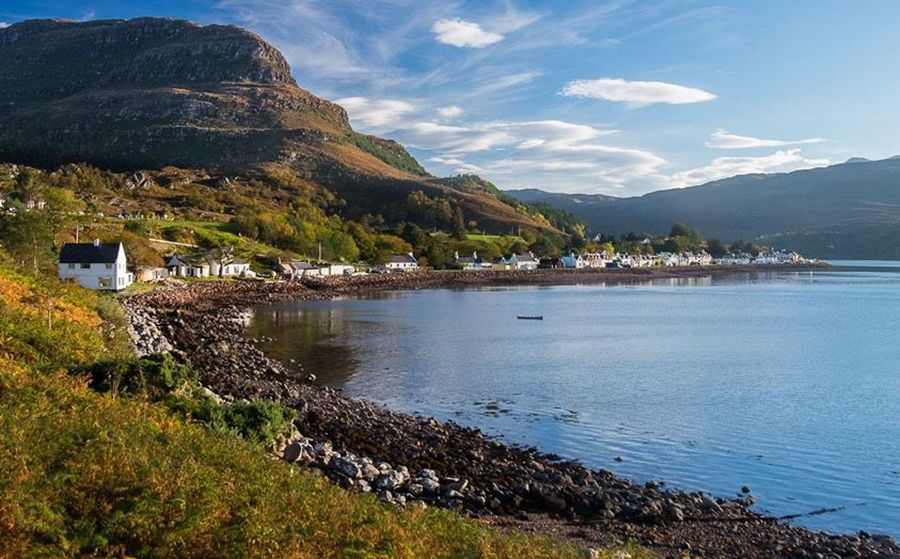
(96, 242)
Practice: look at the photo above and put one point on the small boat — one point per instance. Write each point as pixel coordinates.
(536, 317)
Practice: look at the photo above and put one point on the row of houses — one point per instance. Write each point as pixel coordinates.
(104, 266)
(524, 261)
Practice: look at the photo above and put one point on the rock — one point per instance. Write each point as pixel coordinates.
(345, 467)
(430, 486)
(390, 480)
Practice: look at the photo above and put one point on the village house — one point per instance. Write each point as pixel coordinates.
(473, 262)
(574, 261)
(336, 269)
(182, 267)
(147, 274)
(226, 268)
(294, 269)
(100, 266)
(402, 263)
(525, 261)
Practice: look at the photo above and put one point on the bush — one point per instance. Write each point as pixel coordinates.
(159, 378)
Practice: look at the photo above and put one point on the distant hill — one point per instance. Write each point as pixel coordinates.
(850, 210)
(149, 93)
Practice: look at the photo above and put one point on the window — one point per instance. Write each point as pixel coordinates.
(85, 266)
(109, 266)
(106, 282)
(72, 266)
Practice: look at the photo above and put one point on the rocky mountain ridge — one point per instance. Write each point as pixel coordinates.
(150, 93)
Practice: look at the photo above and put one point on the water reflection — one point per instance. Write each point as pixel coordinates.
(785, 382)
(313, 336)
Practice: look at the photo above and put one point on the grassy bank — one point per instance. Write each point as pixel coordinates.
(107, 474)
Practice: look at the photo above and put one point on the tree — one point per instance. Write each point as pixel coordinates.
(680, 230)
(28, 237)
(716, 248)
(459, 224)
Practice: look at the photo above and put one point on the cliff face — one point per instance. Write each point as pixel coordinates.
(151, 92)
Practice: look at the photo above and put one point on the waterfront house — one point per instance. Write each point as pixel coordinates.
(229, 268)
(146, 274)
(471, 263)
(525, 261)
(96, 265)
(183, 267)
(294, 269)
(402, 263)
(574, 261)
(336, 269)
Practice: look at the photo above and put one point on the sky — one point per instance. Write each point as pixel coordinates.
(617, 97)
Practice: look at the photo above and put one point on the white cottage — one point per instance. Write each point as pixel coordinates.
(525, 261)
(402, 263)
(100, 266)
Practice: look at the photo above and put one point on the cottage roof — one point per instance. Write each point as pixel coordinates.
(402, 258)
(527, 257)
(174, 261)
(89, 253)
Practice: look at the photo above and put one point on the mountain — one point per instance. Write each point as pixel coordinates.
(849, 210)
(149, 93)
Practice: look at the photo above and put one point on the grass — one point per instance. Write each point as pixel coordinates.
(491, 238)
(96, 460)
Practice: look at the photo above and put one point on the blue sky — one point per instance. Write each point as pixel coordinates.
(617, 97)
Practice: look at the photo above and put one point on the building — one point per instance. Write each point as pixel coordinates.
(402, 263)
(100, 266)
(525, 261)
(226, 268)
(146, 274)
(471, 263)
(181, 267)
(336, 269)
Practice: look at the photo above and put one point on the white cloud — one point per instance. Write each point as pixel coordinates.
(723, 139)
(376, 113)
(723, 167)
(451, 111)
(636, 92)
(3, 24)
(548, 135)
(550, 154)
(462, 33)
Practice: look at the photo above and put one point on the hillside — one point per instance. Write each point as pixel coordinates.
(147, 94)
(850, 210)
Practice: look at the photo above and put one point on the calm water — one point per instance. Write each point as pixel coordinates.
(787, 383)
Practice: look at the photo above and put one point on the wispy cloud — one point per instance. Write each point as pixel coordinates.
(723, 167)
(638, 93)
(461, 33)
(723, 139)
(450, 111)
(376, 113)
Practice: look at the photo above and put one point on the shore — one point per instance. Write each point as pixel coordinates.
(418, 461)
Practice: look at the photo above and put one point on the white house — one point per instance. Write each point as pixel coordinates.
(236, 268)
(473, 262)
(525, 261)
(402, 263)
(101, 266)
(336, 269)
(185, 268)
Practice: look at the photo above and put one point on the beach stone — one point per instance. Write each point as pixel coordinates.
(346, 467)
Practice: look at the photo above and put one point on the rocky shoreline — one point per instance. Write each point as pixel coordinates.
(418, 461)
